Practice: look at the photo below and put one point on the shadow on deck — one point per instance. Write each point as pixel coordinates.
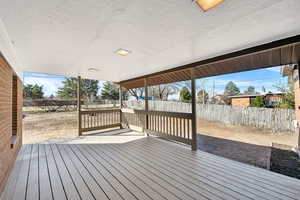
(243, 152)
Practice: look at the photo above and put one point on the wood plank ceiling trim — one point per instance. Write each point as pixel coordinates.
(281, 52)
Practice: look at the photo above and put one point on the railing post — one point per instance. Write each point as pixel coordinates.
(121, 104)
(79, 105)
(146, 105)
(194, 117)
(297, 103)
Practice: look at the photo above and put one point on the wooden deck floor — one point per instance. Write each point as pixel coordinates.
(144, 168)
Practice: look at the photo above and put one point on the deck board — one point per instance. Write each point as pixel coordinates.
(11, 183)
(202, 170)
(21, 185)
(87, 174)
(44, 179)
(98, 172)
(77, 178)
(131, 180)
(57, 188)
(145, 168)
(241, 171)
(67, 180)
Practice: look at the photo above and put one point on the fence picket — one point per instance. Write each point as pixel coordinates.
(274, 119)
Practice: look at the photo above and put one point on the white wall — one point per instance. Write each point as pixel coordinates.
(8, 51)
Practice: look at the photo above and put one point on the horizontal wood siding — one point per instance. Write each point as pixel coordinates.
(7, 124)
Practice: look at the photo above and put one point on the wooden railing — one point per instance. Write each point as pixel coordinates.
(170, 125)
(133, 119)
(99, 119)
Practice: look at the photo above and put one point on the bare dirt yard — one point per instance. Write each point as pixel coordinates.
(40, 127)
(43, 126)
(245, 134)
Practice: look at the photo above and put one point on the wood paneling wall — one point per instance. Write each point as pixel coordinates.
(8, 126)
(280, 52)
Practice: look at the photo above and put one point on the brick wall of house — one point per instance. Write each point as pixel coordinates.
(240, 102)
(7, 152)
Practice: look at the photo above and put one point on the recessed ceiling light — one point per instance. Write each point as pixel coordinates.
(208, 4)
(123, 52)
(92, 69)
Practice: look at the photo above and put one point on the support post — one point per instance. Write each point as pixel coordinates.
(79, 105)
(194, 117)
(298, 108)
(297, 102)
(121, 105)
(146, 106)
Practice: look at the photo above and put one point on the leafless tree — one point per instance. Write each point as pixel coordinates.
(162, 92)
(136, 92)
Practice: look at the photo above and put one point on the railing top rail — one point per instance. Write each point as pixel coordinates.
(100, 111)
(160, 113)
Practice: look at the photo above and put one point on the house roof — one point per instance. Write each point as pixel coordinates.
(69, 37)
(255, 95)
(245, 96)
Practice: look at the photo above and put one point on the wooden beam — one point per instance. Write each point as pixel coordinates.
(260, 48)
(194, 117)
(280, 52)
(297, 109)
(146, 104)
(79, 104)
(121, 104)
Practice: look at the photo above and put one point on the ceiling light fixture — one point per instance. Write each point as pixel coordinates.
(93, 69)
(208, 4)
(123, 52)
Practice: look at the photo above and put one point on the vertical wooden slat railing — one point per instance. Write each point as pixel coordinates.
(133, 120)
(92, 120)
(169, 125)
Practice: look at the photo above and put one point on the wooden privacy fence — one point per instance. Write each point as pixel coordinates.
(276, 120)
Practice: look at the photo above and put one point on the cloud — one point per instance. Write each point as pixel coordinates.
(274, 69)
(50, 85)
(37, 75)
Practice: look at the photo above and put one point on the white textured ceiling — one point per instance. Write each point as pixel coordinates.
(66, 37)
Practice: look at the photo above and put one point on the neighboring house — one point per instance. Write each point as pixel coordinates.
(271, 99)
(217, 99)
(242, 100)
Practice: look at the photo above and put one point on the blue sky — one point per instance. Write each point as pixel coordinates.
(257, 78)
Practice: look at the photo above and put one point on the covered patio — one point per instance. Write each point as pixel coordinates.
(137, 44)
(122, 164)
